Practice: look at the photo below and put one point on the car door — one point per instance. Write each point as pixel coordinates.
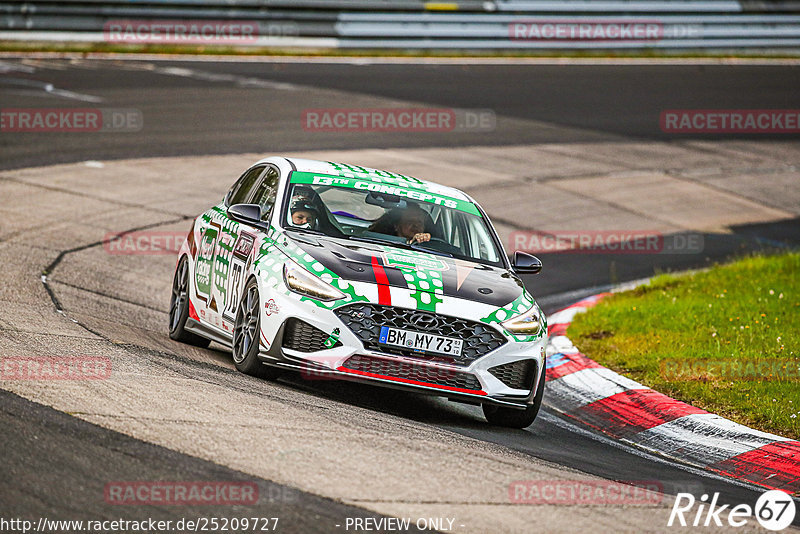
(218, 234)
(233, 262)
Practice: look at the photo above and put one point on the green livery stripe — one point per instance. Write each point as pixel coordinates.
(350, 171)
(272, 262)
(518, 306)
(392, 186)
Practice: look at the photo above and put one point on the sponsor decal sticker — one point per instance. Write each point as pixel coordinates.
(270, 307)
(414, 193)
(243, 245)
(332, 339)
(203, 264)
(412, 261)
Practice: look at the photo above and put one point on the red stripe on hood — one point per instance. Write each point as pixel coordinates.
(384, 294)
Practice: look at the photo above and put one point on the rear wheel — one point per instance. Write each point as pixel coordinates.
(514, 418)
(179, 308)
(246, 332)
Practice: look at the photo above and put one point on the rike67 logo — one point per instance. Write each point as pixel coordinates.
(774, 510)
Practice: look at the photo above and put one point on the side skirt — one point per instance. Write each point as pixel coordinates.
(196, 327)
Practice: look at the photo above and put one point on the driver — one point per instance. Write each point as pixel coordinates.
(411, 225)
(304, 214)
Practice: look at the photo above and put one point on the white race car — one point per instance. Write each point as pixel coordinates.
(341, 271)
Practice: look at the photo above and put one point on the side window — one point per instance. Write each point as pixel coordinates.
(241, 190)
(266, 192)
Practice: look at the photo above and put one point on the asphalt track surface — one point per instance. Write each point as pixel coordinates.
(234, 108)
(197, 114)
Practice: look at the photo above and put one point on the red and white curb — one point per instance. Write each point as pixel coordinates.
(583, 390)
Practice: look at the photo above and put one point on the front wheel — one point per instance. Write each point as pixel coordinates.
(514, 418)
(246, 332)
(179, 308)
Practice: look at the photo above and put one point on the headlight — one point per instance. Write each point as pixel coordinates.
(301, 281)
(529, 323)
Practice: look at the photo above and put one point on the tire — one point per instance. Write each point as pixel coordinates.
(514, 418)
(179, 308)
(246, 330)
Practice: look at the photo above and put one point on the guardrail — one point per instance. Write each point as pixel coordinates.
(413, 24)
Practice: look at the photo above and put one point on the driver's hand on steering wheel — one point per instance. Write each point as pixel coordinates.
(419, 238)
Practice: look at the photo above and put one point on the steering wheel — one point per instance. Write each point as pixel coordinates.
(431, 240)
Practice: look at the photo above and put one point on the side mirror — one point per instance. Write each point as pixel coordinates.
(249, 214)
(526, 263)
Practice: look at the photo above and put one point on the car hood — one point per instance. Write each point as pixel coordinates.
(411, 269)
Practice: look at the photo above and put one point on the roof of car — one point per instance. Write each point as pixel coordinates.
(375, 175)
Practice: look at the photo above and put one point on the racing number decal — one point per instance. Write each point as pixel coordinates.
(239, 261)
(234, 282)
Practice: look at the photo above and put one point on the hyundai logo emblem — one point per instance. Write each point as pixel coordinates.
(423, 320)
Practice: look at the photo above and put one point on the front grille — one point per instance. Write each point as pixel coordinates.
(299, 335)
(412, 371)
(517, 375)
(366, 320)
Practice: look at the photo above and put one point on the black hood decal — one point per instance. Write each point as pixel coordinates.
(353, 260)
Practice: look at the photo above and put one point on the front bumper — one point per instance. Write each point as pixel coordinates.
(477, 381)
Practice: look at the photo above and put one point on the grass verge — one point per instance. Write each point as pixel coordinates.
(726, 340)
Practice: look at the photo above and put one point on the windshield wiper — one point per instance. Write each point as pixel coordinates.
(377, 241)
(304, 230)
(399, 244)
(418, 246)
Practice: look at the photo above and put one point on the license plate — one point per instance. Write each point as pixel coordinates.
(419, 341)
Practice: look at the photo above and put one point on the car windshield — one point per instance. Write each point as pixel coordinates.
(365, 210)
